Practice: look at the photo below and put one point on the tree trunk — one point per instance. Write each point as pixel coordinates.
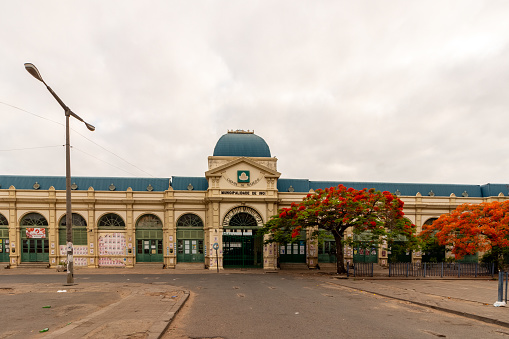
(340, 258)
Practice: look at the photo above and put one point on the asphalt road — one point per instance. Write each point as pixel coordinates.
(245, 305)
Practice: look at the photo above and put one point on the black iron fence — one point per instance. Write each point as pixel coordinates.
(442, 269)
(359, 269)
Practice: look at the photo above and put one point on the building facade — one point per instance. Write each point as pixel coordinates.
(208, 221)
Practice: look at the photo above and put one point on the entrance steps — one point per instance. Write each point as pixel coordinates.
(190, 266)
(33, 265)
(293, 266)
(150, 265)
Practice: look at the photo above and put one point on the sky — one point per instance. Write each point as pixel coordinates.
(377, 91)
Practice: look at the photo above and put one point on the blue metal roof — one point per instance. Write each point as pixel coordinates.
(406, 189)
(182, 183)
(241, 144)
(283, 185)
(83, 183)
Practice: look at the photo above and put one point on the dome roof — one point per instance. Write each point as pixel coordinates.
(241, 144)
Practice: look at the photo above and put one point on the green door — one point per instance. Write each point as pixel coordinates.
(35, 250)
(4, 244)
(367, 255)
(4, 249)
(149, 250)
(242, 249)
(190, 250)
(293, 252)
(327, 252)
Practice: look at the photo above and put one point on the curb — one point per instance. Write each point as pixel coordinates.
(159, 328)
(438, 308)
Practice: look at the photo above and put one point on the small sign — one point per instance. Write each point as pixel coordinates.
(215, 246)
(36, 233)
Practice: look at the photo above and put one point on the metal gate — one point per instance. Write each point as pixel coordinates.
(241, 248)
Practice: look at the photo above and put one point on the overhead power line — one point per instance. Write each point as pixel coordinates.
(95, 143)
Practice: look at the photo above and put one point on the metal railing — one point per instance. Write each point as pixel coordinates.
(442, 269)
(359, 269)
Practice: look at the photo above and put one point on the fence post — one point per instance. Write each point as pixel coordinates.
(442, 271)
(476, 264)
(372, 269)
(459, 269)
(390, 270)
(424, 273)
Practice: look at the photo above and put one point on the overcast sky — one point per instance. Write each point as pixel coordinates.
(391, 91)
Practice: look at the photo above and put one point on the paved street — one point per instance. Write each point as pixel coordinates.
(240, 304)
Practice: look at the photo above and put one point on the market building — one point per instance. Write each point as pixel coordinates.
(208, 221)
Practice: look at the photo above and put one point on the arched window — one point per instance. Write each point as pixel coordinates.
(243, 219)
(79, 230)
(149, 221)
(111, 221)
(189, 220)
(33, 219)
(3, 221)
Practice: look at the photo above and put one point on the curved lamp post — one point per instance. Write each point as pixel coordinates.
(68, 214)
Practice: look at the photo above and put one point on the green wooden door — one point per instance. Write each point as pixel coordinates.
(367, 255)
(35, 250)
(243, 249)
(293, 252)
(190, 250)
(4, 249)
(4, 245)
(149, 250)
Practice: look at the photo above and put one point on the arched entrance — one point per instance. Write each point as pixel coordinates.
(149, 239)
(242, 247)
(190, 238)
(34, 238)
(4, 239)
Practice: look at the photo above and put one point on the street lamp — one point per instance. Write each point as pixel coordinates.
(68, 214)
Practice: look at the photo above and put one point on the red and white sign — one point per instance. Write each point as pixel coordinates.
(38, 233)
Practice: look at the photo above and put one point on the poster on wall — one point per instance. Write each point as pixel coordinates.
(36, 233)
(111, 244)
(77, 251)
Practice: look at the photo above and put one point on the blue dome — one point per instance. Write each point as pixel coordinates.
(241, 144)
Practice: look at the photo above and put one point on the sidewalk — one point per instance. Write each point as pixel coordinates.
(88, 310)
(472, 298)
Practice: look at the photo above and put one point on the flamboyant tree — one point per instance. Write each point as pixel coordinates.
(378, 216)
(472, 228)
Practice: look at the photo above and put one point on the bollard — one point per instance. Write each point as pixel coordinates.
(500, 299)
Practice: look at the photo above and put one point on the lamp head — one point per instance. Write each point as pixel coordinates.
(90, 127)
(34, 71)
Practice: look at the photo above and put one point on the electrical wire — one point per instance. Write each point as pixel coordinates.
(95, 143)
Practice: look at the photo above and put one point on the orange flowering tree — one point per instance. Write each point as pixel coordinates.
(472, 228)
(378, 216)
